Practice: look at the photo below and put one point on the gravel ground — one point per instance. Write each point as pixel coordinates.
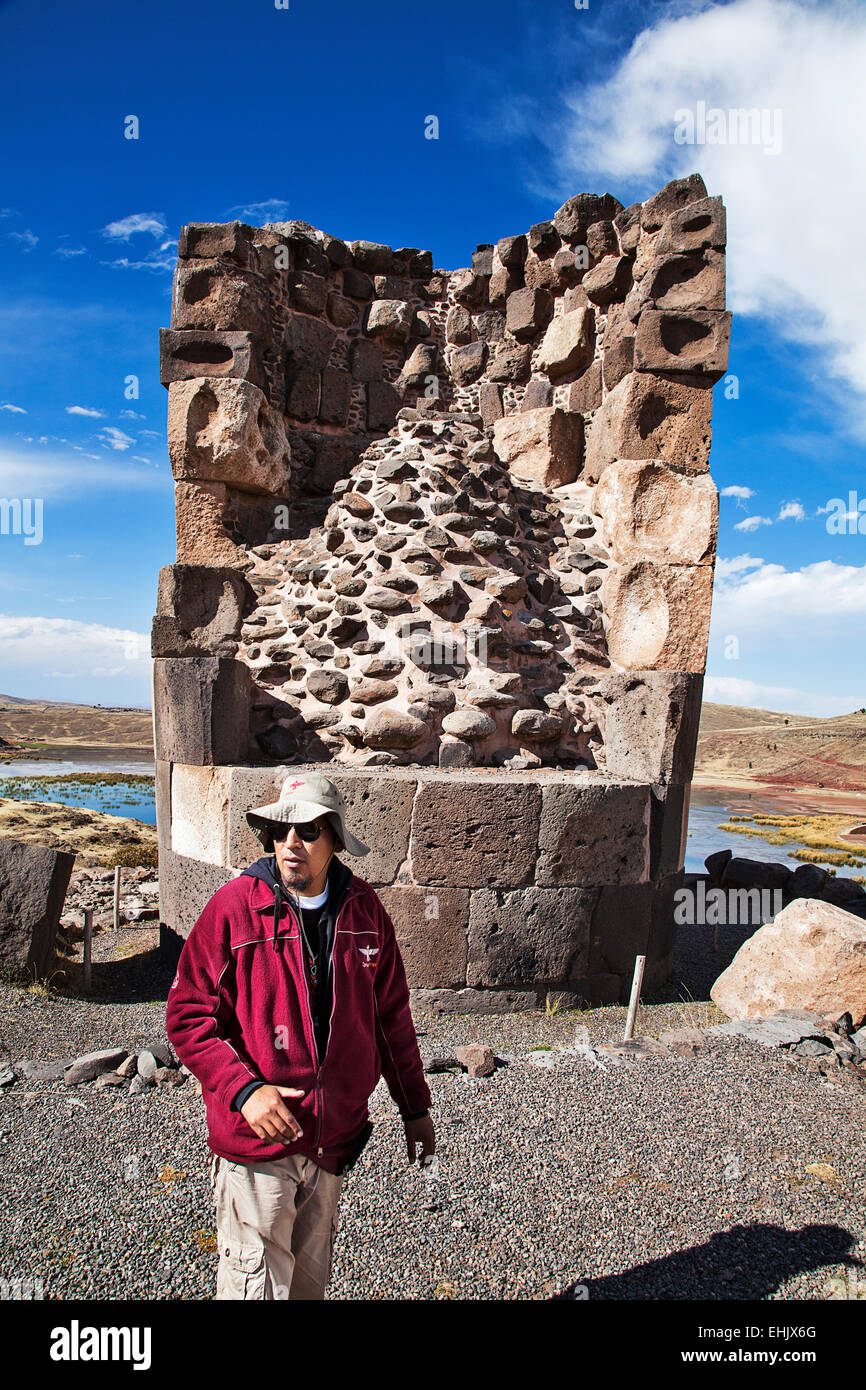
(671, 1178)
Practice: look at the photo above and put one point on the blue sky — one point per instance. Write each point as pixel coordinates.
(320, 114)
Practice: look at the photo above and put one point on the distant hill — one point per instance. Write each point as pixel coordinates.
(782, 749)
(39, 726)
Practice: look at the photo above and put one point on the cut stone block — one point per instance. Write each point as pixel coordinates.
(696, 342)
(693, 228)
(649, 416)
(211, 294)
(201, 710)
(544, 446)
(649, 512)
(528, 312)
(658, 615)
(682, 283)
(470, 832)
(211, 240)
(677, 194)
(186, 353)
(390, 319)
(529, 938)
(650, 724)
(199, 812)
(431, 926)
(608, 281)
(33, 884)
(199, 610)
(223, 430)
(568, 344)
(185, 888)
(593, 834)
(586, 393)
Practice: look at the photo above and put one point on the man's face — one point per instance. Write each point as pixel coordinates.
(301, 863)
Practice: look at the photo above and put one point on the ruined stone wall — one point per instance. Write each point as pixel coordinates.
(452, 536)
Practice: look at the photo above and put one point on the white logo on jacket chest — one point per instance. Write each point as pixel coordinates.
(368, 952)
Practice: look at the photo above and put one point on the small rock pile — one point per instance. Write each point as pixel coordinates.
(93, 888)
(828, 1047)
(482, 596)
(150, 1067)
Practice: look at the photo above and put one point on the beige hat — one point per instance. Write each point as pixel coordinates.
(302, 798)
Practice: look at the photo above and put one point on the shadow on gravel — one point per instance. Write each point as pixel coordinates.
(696, 965)
(139, 979)
(746, 1262)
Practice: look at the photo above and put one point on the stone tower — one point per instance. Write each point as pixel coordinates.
(449, 537)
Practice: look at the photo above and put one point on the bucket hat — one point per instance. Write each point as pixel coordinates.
(303, 798)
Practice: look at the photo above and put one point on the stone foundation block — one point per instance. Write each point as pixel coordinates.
(591, 835)
(466, 833)
(185, 886)
(431, 927)
(532, 936)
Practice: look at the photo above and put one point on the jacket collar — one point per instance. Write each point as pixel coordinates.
(342, 884)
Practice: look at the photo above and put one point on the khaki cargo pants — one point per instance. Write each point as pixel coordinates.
(276, 1224)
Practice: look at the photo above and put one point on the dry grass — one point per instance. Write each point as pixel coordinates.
(817, 837)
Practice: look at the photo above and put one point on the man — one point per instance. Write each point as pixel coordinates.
(290, 1001)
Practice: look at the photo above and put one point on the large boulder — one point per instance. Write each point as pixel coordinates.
(33, 884)
(811, 956)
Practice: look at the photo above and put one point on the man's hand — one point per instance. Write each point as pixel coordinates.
(420, 1132)
(266, 1114)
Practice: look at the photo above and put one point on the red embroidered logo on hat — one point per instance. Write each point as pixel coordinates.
(293, 786)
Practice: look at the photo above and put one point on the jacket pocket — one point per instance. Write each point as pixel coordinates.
(241, 1272)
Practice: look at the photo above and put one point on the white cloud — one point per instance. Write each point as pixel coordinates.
(113, 438)
(751, 523)
(14, 409)
(767, 596)
(27, 239)
(783, 699)
(269, 210)
(787, 254)
(153, 260)
(126, 227)
(70, 251)
(85, 410)
(74, 649)
(738, 491)
(34, 473)
(737, 564)
(791, 510)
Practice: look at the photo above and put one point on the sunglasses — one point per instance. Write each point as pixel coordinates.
(308, 831)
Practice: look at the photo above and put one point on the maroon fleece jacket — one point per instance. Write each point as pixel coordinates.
(239, 1011)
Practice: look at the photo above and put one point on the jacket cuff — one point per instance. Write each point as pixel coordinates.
(244, 1094)
(419, 1116)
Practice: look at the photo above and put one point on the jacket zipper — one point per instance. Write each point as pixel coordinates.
(330, 970)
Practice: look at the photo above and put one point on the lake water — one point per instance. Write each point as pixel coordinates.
(129, 799)
(709, 807)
